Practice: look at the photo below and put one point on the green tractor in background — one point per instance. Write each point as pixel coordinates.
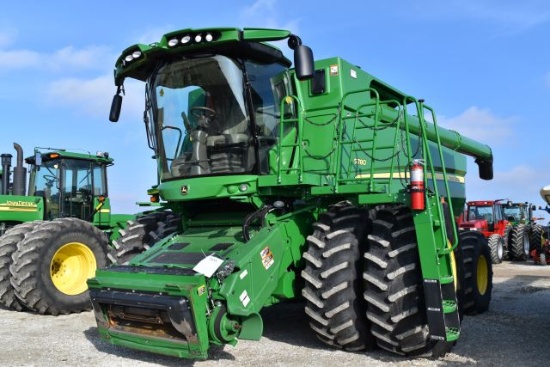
(318, 183)
(55, 235)
(526, 232)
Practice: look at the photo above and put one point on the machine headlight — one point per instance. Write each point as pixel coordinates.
(132, 56)
(173, 42)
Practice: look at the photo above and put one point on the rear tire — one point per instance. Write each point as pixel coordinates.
(8, 245)
(477, 279)
(332, 279)
(535, 237)
(519, 243)
(496, 244)
(394, 292)
(53, 262)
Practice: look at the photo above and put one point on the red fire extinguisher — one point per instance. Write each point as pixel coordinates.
(417, 186)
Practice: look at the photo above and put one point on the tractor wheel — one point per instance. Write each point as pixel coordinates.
(8, 245)
(332, 279)
(53, 262)
(477, 279)
(393, 286)
(535, 237)
(496, 244)
(507, 240)
(519, 243)
(143, 232)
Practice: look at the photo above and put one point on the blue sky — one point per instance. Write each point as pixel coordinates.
(483, 65)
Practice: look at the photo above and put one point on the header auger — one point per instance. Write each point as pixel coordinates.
(317, 182)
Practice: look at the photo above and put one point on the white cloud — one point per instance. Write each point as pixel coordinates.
(480, 124)
(86, 58)
(65, 59)
(94, 96)
(7, 37)
(18, 59)
(90, 96)
(269, 14)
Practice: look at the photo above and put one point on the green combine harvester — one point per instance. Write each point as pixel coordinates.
(317, 183)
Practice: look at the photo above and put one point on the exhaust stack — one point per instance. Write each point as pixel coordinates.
(6, 166)
(19, 172)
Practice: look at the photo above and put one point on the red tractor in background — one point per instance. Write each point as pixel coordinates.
(487, 217)
(509, 227)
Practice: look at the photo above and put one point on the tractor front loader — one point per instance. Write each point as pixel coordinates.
(318, 183)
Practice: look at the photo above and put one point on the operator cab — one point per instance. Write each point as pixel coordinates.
(214, 115)
(70, 187)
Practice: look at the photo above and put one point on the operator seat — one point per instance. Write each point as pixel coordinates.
(230, 150)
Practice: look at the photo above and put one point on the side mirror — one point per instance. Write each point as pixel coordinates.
(38, 159)
(303, 62)
(116, 105)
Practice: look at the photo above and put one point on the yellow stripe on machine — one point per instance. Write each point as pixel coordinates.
(5, 208)
(405, 175)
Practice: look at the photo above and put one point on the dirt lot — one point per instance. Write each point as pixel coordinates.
(515, 332)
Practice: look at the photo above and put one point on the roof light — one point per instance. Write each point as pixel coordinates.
(132, 56)
(198, 38)
(186, 39)
(209, 37)
(173, 42)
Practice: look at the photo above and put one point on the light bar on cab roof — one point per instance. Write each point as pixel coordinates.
(131, 56)
(193, 38)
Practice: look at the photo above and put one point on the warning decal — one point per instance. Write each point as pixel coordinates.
(267, 257)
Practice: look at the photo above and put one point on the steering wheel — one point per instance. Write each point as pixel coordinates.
(50, 179)
(203, 112)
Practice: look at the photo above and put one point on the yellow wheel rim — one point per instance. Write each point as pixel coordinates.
(453, 265)
(71, 266)
(482, 274)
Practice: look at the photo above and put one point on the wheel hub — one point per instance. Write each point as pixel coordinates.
(71, 265)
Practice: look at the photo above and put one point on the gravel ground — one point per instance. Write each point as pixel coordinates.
(514, 332)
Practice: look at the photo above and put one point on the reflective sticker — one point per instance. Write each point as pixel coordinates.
(353, 73)
(245, 300)
(243, 274)
(201, 290)
(267, 258)
(333, 70)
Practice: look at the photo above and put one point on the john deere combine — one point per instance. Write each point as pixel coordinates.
(317, 182)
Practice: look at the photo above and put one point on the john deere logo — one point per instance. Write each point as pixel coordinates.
(20, 203)
(184, 190)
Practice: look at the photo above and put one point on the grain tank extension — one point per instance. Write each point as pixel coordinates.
(318, 182)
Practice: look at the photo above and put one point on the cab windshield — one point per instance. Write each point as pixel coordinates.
(199, 115)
